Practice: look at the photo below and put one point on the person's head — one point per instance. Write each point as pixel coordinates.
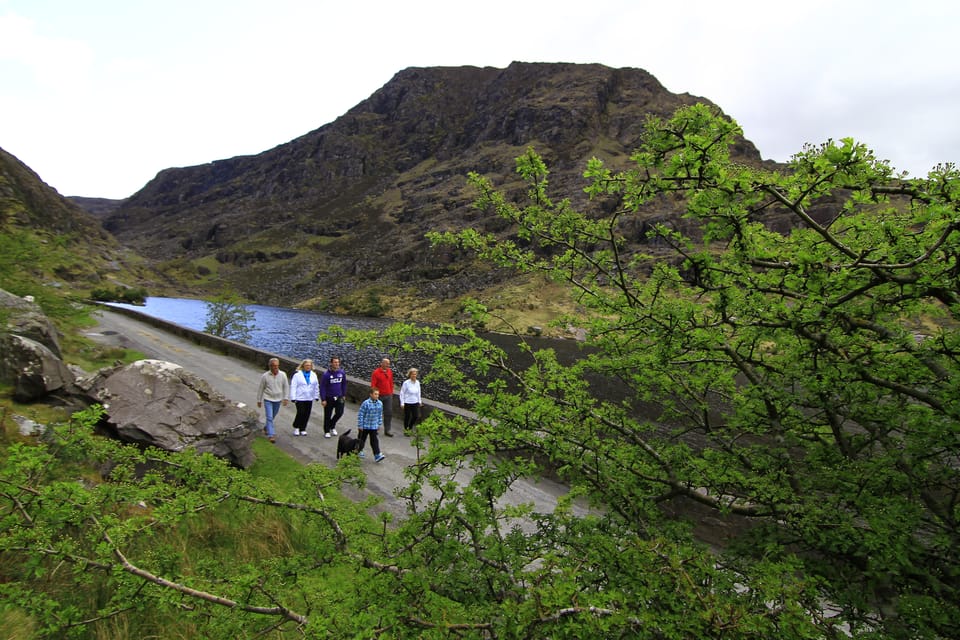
(374, 393)
(274, 364)
(305, 365)
(334, 363)
(385, 363)
(412, 373)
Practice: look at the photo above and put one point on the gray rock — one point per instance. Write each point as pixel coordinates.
(28, 320)
(28, 427)
(160, 404)
(31, 368)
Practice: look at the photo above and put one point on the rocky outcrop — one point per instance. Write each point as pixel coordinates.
(160, 404)
(34, 371)
(149, 402)
(30, 351)
(343, 209)
(27, 319)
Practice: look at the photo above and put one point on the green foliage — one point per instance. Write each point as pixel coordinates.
(366, 302)
(780, 396)
(130, 295)
(142, 548)
(778, 379)
(228, 317)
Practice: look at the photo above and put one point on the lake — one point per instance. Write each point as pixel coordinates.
(293, 333)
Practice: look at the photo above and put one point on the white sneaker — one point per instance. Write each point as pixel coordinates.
(333, 431)
(326, 435)
(296, 432)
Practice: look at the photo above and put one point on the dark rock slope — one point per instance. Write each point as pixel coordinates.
(344, 208)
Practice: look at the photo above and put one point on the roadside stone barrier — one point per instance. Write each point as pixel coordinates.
(357, 388)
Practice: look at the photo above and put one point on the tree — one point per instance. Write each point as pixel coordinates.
(798, 385)
(791, 349)
(227, 317)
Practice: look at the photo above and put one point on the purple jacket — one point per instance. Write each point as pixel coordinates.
(333, 384)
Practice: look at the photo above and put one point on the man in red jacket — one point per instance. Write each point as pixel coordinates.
(382, 381)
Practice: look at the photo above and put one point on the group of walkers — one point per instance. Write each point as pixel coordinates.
(305, 387)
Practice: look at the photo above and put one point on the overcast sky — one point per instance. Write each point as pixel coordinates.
(98, 96)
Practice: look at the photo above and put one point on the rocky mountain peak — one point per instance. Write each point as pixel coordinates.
(341, 211)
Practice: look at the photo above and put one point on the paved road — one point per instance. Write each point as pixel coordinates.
(237, 380)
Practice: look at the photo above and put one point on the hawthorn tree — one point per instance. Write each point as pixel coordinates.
(789, 348)
(789, 354)
(227, 317)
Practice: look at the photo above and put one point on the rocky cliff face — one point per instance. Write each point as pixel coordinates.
(338, 216)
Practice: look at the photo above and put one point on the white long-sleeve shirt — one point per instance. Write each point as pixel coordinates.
(410, 392)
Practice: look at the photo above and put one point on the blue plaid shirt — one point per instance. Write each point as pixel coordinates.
(370, 415)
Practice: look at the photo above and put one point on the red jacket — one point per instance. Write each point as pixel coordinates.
(382, 381)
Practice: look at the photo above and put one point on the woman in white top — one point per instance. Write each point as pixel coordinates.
(304, 391)
(410, 401)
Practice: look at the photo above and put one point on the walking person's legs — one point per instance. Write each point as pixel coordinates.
(409, 417)
(361, 443)
(302, 417)
(387, 402)
(270, 409)
(375, 443)
(328, 416)
(338, 405)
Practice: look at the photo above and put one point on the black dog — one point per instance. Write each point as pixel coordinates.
(346, 444)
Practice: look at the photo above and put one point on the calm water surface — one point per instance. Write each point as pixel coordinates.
(293, 333)
(288, 332)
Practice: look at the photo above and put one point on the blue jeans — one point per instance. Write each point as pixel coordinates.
(270, 409)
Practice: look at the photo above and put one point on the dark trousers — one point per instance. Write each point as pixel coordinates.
(331, 413)
(387, 402)
(410, 414)
(304, 407)
(374, 441)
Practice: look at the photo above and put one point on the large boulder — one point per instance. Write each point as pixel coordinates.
(26, 318)
(160, 404)
(31, 368)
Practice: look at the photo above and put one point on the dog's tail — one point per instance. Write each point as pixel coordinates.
(345, 432)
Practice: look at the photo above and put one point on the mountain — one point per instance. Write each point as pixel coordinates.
(48, 242)
(335, 219)
(97, 207)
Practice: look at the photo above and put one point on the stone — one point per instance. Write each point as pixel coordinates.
(28, 320)
(161, 404)
(31, 368)
(28, 427)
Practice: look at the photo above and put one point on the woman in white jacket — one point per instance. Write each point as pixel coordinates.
(410, 400)
(304, 391)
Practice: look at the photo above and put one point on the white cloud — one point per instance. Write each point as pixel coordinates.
(59, 65)
(99, 96)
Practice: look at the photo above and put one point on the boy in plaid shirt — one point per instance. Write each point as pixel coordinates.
(369, 419)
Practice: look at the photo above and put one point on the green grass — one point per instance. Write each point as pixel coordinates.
(191, 551)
